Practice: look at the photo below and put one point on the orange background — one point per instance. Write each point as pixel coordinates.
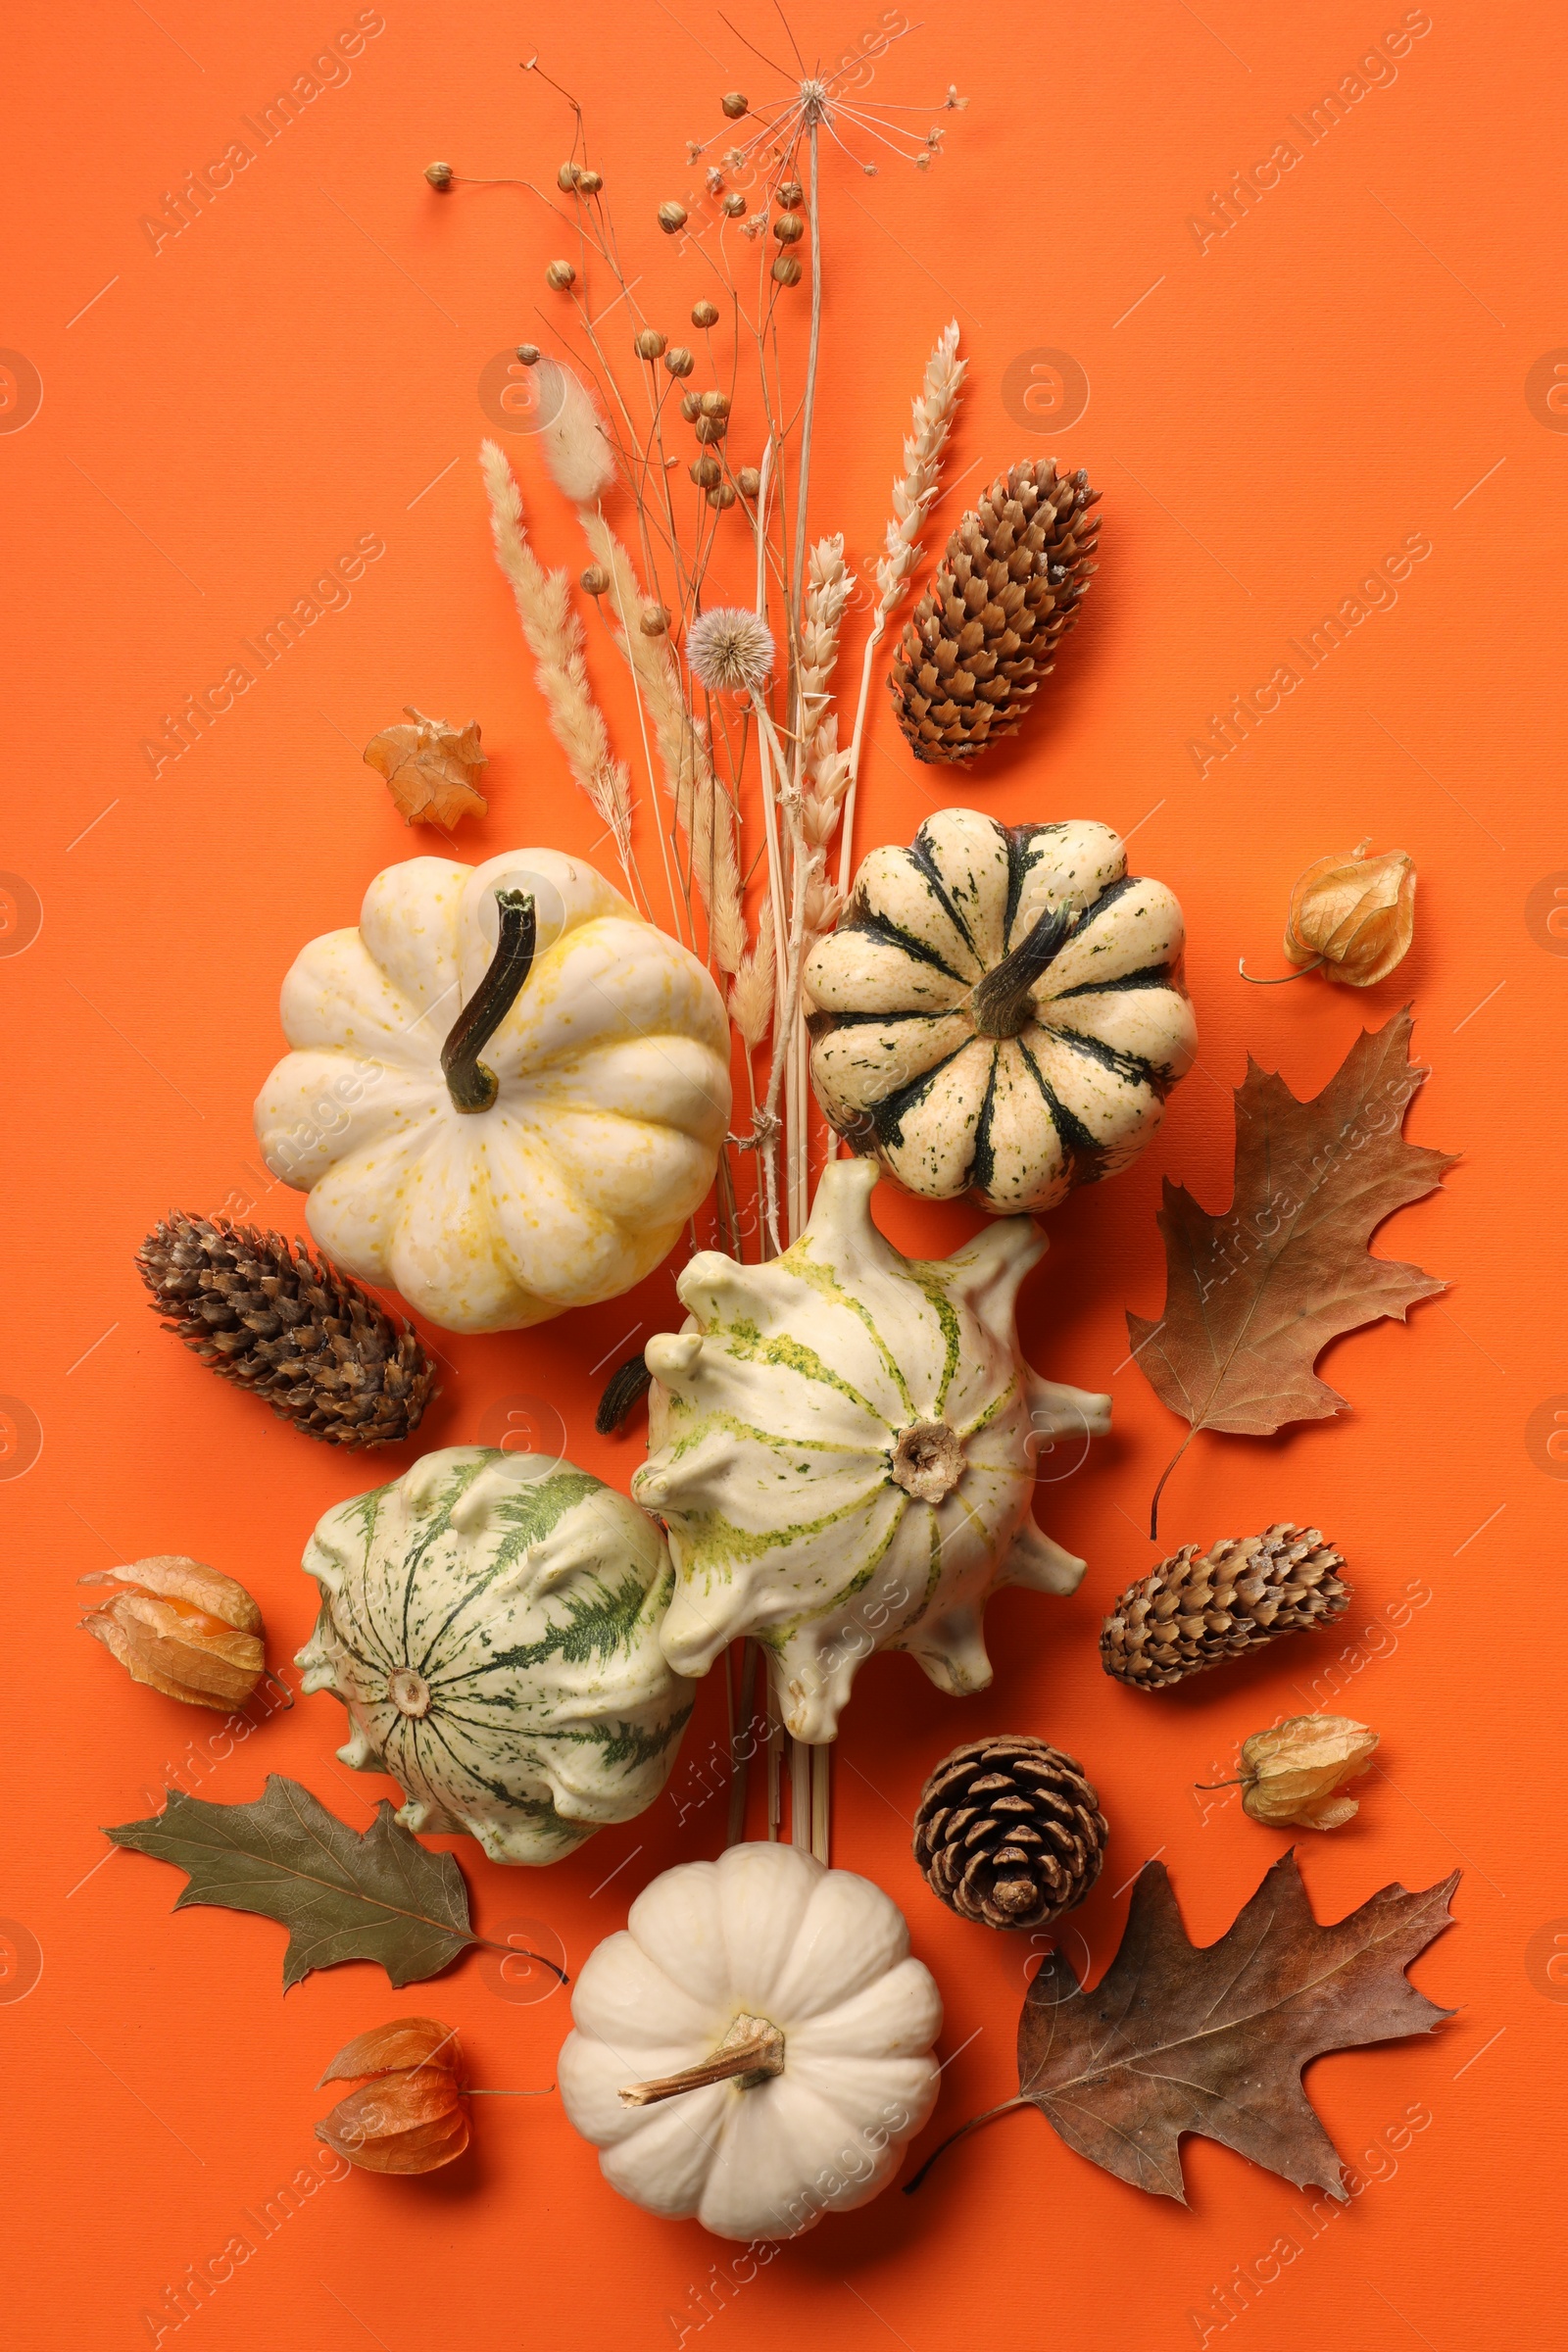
(1269, 417)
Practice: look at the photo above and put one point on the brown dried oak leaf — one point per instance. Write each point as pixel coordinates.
(1178, 2037)
(431, 769)
(1253, 1297)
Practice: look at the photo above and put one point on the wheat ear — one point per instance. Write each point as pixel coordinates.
(555, 635)
(914, 493)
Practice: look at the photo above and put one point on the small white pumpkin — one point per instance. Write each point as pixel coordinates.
(774, 2033)
(1000, 1011)
(491, 1623)
(844, 1447)
(494, 1197)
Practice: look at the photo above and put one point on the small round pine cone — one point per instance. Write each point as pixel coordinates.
(1008, 1832)
(1199, 1608)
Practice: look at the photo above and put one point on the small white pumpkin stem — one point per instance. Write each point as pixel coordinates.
(752, 2047)
(471, 1086)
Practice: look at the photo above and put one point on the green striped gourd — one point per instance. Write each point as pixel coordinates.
(1000, 1011)
(490, 1621)
(844, 1447)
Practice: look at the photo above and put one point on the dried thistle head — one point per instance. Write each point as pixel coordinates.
(730, 650)
(820, 102)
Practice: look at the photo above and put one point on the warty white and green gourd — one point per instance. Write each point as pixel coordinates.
(555, 1172)
(844, 1445)
(491, 1621)
(755, 2048)
(1000, 1010)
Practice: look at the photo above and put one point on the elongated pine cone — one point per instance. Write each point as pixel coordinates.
(985, 630)
(1200, 1608)
(1008, 1832)
(266, 1315)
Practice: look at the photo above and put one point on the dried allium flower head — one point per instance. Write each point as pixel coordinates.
(1355, 917)
(409, 2115)
(1290, 1772)
(730, 650)
(182, 1628)
(576, 448)
(820, 100)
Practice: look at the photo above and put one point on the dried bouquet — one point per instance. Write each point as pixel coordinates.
(731, 813)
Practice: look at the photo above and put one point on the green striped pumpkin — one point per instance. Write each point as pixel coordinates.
(490, 1621)
(844, 1448)
(1000, 1010)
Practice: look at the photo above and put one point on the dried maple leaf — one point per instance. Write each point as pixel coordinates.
(1253, 1297)
(1179, 2037)
(429, 768)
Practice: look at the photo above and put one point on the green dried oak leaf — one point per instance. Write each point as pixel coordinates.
(1253, 1297)
(342, 1893)
(1179, 2037)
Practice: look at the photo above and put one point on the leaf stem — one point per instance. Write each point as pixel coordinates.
(962, 2132)
(517, 1951)
(1153, 1508)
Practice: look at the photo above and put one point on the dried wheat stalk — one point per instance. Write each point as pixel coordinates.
(914, 495)
(554, 636)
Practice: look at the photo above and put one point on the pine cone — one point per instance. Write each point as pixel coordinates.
(1200, 1608)
(265, 1314)
(984, 634)
(1008, 1832)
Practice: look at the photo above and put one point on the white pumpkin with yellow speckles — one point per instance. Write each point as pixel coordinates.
(556, 1171)
(845, 1444)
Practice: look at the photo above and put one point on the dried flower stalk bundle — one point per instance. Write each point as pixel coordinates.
(688, 465)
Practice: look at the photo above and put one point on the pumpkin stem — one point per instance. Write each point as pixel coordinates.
(998, 1004)
(751, 2051)
(471, 1086)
